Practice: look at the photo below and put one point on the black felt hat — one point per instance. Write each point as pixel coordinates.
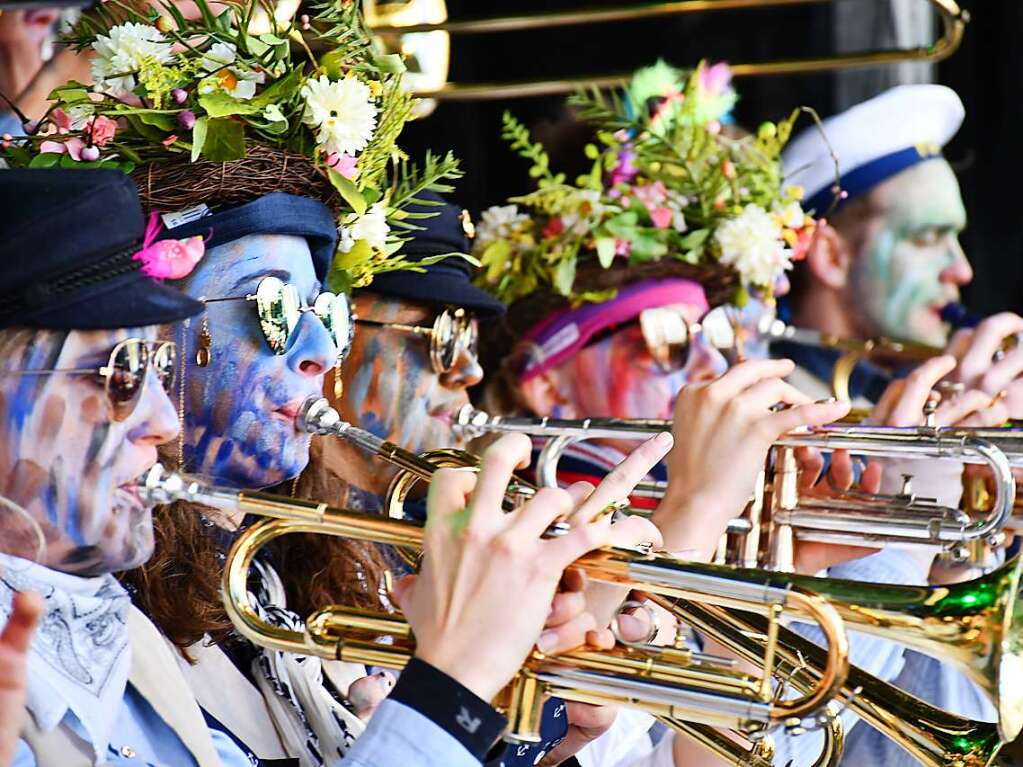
(275, 213)
(448, 282)
(67, 241)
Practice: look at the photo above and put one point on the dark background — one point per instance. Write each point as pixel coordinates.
(987, 72)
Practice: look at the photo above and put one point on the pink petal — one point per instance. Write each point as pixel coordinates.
(52, 147)
(75, 147)
(661, 217)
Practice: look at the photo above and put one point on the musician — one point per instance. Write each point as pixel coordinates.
(83, 410)
(239, 429)
(405, 386)
(888, 260)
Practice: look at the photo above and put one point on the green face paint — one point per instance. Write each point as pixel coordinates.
(907, 249)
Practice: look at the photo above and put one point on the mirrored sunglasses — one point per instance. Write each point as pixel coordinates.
(453, 333)
(124, 375)
(279, 307)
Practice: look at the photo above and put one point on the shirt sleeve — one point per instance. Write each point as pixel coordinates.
(429, 720)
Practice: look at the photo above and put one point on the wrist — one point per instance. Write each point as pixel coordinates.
(687, 525)
(465, 672)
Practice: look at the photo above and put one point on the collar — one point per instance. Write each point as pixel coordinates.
(867, 380)
(80, 659)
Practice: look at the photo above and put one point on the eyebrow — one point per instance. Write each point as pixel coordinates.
(282, 274)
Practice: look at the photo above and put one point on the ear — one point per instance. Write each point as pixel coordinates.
(829, 258)
(542, 393)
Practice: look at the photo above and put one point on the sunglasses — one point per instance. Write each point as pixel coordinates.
(124, 375)
(453, 333)
(279, 306)
(668, 336)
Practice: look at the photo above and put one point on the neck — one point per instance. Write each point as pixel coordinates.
(822, 309)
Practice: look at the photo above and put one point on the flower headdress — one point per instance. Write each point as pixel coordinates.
(208, 110)
(666, 183)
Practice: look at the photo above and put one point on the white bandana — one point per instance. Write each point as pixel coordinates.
(80, 659)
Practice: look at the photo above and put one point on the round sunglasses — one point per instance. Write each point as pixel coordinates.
(453, 332)
(124, 375)
(279, 307)
(668, 336)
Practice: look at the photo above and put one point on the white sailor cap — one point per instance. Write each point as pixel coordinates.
(874, 141)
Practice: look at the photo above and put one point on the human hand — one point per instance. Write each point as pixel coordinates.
(981, 365)
(811, 557)
(902, 403)
(475, 556)
(723, 430)
(15, 640)
(367, 693)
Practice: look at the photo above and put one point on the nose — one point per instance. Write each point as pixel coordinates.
(155, 421)
(706, 363)
(466, 371)
(312, 351)
(959, 272)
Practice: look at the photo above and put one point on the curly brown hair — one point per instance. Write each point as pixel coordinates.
(179, 587)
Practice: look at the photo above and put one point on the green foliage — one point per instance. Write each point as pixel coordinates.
(517, 135)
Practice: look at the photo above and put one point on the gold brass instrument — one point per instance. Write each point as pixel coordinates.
(407, 26)
(672, 682)
(779, 513)
(933, 736)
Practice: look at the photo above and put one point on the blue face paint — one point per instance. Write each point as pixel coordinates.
(67, 469)
(240, 409)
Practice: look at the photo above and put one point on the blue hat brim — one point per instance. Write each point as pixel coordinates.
(276, 213)
(441, 284)
(132, 300)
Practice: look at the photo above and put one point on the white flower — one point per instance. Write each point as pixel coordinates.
(498, 222)
(341, 112)
(371, 226)
(120, 55)
(236, 82)
(791, 215)
(751, 243)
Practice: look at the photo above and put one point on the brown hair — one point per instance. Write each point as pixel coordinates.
(501, 390)
(179, 587)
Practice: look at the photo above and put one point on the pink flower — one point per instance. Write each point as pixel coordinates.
(651, 195)
(72, 147)
(661, 217)
(170, 139)
(187, 119)
(180, 96)
(90, 153)
(61, 119)
(344, 164)
(623, 248)
(168, 259)
(52, 147)
(715, 79)
(101, 129)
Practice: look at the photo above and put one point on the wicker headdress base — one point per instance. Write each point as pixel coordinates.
(176, 184)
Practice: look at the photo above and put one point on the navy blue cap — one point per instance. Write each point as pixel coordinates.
(67, 238)
(448, 282)
(276, 213)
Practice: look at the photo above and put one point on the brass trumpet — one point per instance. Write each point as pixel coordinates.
(671, 682)
(778, 511)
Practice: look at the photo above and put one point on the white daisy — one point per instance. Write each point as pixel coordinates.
(751, 243)
(341, 112)
(120, 55)
(498, 222)
(237, 82)
(371, 226)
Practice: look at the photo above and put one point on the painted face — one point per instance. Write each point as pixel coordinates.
(618, 378)
(66, 462)
(390, 387)
(909, 262)
(240, 409)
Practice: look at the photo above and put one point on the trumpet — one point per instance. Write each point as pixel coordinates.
(779, 512)
(672, 682)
